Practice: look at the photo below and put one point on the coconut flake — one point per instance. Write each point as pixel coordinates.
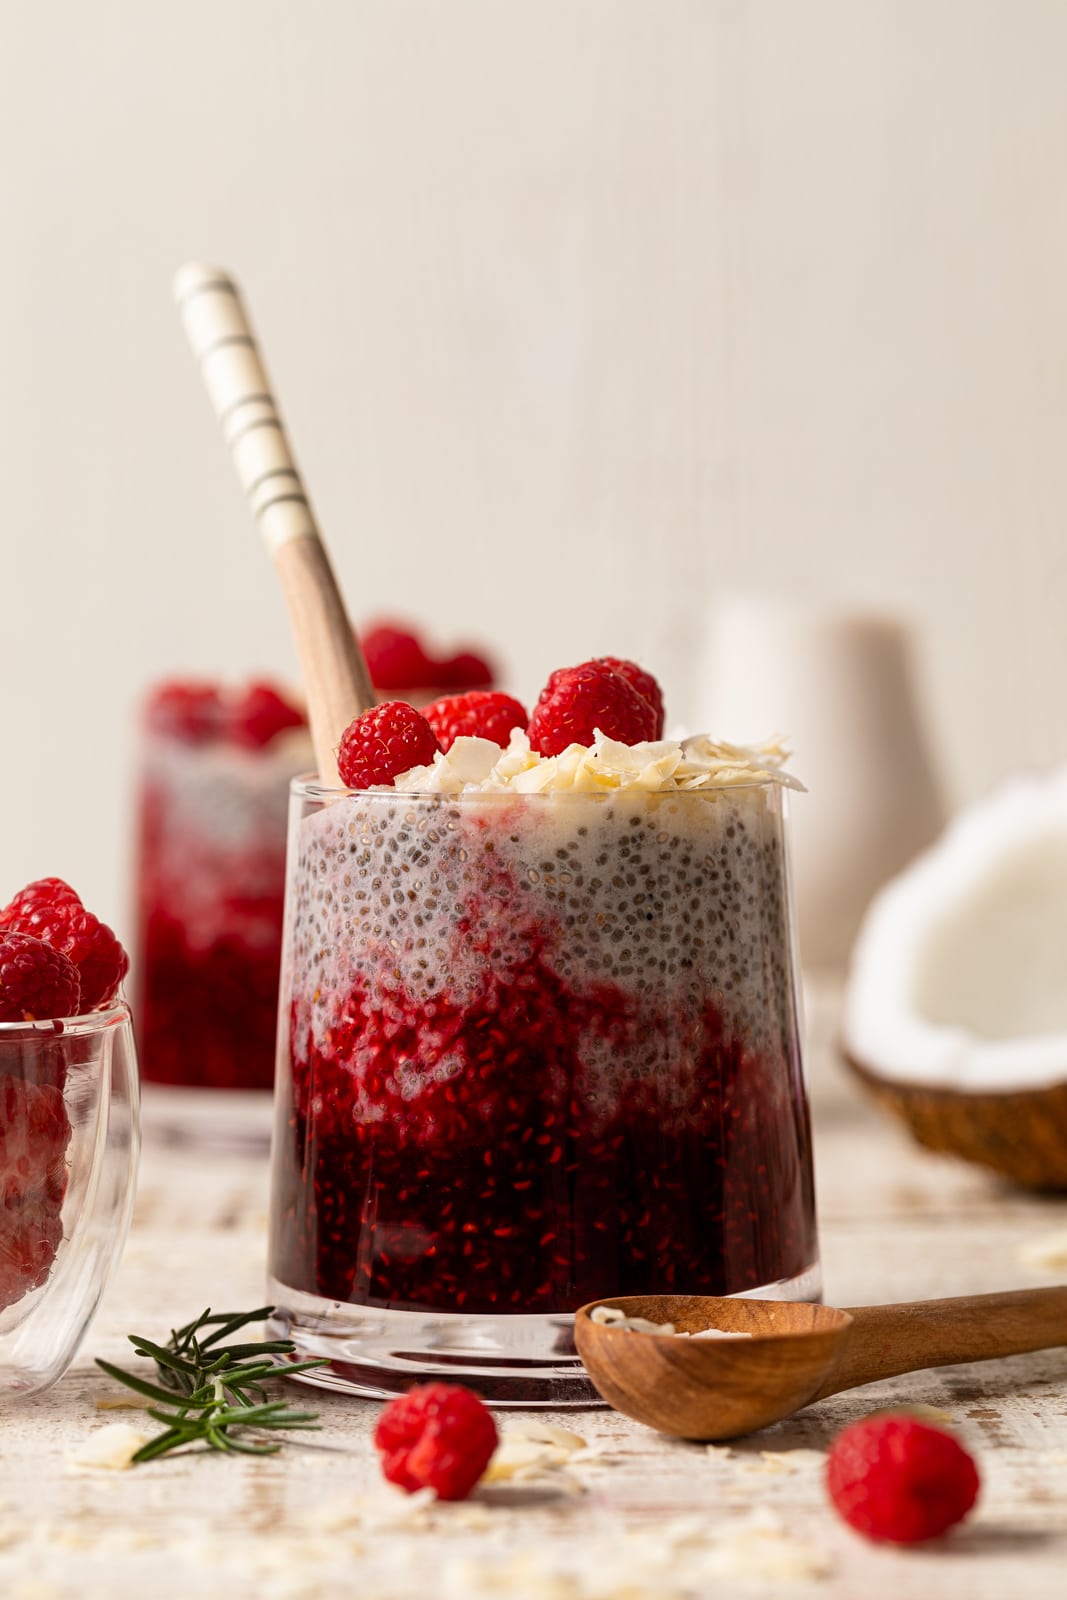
(109, 1449)
(615, 1317)
(1046, 1253)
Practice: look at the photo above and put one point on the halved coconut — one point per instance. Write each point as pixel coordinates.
(956, 1003)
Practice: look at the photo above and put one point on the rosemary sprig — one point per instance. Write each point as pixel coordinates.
(215, 1391)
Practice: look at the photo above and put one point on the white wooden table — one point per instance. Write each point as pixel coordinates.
(633, 1515)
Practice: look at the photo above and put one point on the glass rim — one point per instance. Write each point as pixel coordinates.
(88, 1022)
(307, 786)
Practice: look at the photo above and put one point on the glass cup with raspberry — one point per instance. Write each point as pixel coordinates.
(538, 1045)
(215, 771)
(68, 1128)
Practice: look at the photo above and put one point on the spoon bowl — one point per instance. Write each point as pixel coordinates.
(795, 1353)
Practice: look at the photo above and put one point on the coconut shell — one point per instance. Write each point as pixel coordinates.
(1023, 1135)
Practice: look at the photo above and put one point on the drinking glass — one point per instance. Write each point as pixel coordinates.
(534, 1050)
(69, 1137)
(210, 889)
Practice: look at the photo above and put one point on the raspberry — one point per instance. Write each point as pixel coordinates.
(189, 711)
(260, 714)
(895, 1478)
(29, 1239)
(395, 658)
(437, 1436)
(35, 980)
(34, 1134)
(577, 701)
(465, 670)
(383, 742)
(479, 715)
(50, 910)
(644, 683)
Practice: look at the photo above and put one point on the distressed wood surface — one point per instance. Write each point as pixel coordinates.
(633, 1514)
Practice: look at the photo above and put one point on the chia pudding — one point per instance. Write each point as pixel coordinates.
(538, 1039)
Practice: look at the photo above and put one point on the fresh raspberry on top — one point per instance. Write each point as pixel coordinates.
(437, 1436)
(479, 715)
(384, 741)
(395, 658)
(188, 711)
(465, 670)
(260, 714)
(36, 982)
(577, 701)
(50, 910)
(644, 683)
(897, 1479)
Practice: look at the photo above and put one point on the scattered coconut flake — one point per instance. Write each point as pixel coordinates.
(109, 1449)
(615, 1317)
(762, 1548)
(547, 1433)
(396, 1509)
(530, 1451)
(722, 1452)
(795, 1460)
(1045, 1253)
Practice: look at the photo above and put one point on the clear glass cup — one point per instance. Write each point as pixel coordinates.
(69, 1139)
(210, 883)
(534, 1049)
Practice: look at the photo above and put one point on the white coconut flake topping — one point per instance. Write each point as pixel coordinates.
(480, 766)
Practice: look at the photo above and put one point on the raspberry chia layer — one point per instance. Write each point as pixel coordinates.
(539, 1048)
(211, 886)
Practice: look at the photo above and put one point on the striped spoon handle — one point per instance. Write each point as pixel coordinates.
(335, 673)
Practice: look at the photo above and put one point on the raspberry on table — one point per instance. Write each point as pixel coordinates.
(577, 701)
(897, 1479)
(644, 683)
(479, 715)
(384, 741)
(438, 1436)
(36, 981)
(395, 658)
(50, 910)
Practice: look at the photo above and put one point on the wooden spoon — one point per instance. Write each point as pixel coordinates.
(335, 673)
(798, 1353)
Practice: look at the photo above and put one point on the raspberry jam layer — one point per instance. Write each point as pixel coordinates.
(540, 1049)
(211, 884)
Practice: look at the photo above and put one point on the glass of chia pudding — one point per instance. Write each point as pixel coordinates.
(215, 774)
(538, 1045)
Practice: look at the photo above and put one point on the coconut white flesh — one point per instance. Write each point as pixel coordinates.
(959, 975)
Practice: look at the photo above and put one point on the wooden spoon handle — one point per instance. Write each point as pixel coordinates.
(887, 1340)
(335, 674)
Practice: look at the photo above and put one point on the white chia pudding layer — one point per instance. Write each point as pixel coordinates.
(675, 900)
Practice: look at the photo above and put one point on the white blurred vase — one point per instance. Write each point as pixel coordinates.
(840, 686)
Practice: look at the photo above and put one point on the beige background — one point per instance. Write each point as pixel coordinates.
(581, 311)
